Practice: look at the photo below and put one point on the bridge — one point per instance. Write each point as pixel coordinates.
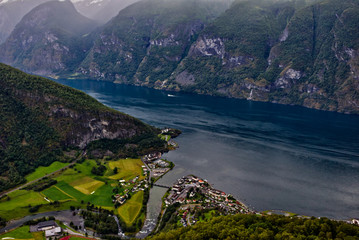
(162, 186)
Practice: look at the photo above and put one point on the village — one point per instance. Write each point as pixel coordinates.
(154, 168)
(197, 195)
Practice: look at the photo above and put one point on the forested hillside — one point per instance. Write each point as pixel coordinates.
(267, 227)
(39, 119)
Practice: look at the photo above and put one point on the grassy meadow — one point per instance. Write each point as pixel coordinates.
(77, 186)
(132, 208)
(127, 169)
(42, 171)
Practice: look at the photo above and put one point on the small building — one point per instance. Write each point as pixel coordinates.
(55, 232)
(43, 226)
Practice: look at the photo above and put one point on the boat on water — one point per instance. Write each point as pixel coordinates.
(170, 95)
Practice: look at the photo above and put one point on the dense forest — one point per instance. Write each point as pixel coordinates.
(263, 227)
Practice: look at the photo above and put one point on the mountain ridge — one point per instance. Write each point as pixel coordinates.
(289, 52)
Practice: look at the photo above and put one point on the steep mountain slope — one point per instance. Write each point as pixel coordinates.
(45, 41)
(11, 13)
(146, 41)
(39, 118)
(278, 51)
(101, 10)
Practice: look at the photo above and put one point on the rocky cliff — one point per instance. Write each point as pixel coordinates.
(302, 52)
(279, 52)
(145, 42)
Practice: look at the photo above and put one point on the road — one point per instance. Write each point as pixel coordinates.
(64, 216)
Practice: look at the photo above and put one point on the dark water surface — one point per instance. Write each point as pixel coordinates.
(270, 156)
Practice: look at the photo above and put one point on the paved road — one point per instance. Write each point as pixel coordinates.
(64, 216)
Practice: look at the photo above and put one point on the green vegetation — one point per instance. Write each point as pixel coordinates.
(127, 169)
(87, 185)
(266, 227)
(77, 186)
(42, 171)
(55, 194)
(102, 222)
(19, 233)
(41, 185)
(132, 208)
(40, 119)
(172, 25)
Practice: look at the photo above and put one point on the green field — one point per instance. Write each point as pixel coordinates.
(102, 196)
(131, 208)
(127, 168)
(70, 190)
(19, 233)
(54, 193)
(42, 171)
(86, 185)
(21, 198)
(77, 186)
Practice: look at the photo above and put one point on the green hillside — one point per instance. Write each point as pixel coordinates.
(40, 118)
(146, 41)
(266, 227)
(280, 51)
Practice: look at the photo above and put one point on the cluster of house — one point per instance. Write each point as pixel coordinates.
(132, 185)
(152, 156)
(194, 190)
(51, 229)
(157, 166)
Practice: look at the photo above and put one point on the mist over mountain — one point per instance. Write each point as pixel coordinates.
(11, 13)
(299, 52)
(101, 10)
(46, 42)
(148, 39)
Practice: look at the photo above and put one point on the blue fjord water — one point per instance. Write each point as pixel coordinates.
(270, 156)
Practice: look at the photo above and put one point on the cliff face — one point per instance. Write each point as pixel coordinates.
(39, 118)
(45, 42)
(290, 52)
(310, 60)
(145, 42)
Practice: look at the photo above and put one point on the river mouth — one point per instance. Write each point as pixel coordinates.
(267, 155)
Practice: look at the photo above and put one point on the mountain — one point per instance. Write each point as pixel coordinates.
(101, 10)
(40, 119)
(297, 52)
(287, 52)
(146, 41)
(11, 13)
(46, 42)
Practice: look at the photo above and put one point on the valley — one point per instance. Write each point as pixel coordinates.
(261, 96)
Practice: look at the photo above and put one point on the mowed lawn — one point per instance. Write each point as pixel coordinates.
(127, 168)
(54, 193)
(131, 208)
(42, 171)
(19, 233)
